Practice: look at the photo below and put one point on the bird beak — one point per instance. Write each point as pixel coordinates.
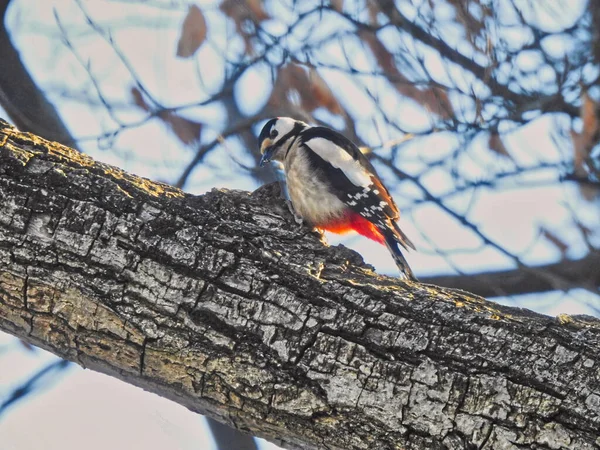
(267, 150)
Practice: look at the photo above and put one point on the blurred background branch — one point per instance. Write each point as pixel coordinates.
(21, 98)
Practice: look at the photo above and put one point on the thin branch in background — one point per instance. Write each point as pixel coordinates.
(106, 36)
(227, 438)
(87, 67)
(34, 383)
(21, 97)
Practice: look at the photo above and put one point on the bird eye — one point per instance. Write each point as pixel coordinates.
(274, 134)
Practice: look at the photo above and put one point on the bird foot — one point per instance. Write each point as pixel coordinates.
(297, 218)
(301, 223)
(321, 233)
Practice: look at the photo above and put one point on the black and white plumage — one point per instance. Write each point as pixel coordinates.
(332, 185)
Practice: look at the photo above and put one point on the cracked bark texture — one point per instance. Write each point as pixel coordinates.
(221, 303)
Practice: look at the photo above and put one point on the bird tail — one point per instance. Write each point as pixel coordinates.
(402, 238)
(393, 246)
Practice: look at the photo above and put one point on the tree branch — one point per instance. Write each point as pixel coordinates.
(228, 438)
(528, 102)
(31, 384)
(20, 96)
(563, 275)
(222, 304)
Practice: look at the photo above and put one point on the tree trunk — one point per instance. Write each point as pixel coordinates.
(21, 98)
(221, 303)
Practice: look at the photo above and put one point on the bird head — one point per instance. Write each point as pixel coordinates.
(276, 137)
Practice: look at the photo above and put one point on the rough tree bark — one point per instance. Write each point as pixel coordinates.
(221, 303)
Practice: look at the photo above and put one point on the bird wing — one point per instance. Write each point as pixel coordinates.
(352, 178)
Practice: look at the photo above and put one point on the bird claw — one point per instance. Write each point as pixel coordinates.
(321, 234)
(301, 223)
(297, 218)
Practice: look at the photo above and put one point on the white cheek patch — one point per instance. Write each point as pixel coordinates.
(283, 126)
(340, 159)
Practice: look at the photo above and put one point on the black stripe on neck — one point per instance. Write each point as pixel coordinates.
(298, 127)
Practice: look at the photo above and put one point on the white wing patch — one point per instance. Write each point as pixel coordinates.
(341, 159)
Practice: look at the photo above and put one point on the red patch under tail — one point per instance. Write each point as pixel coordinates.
(352, 221)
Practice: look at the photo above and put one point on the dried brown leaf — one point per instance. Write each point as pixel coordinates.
(290, 78)
(256, 8)
(496, 144)
(241, 12)
(589, 114)
(555, 240)
(434, 99)
(384, 58)
(374, 10)
(278, 97)
(193, 33)
(585, 141)
(237, 13)
(321, 93)
(473, 24)
(295, 78)
(579, 152)
(313, 91)
(138, 99)
(188, 131)
(588, 191)
(338, 5)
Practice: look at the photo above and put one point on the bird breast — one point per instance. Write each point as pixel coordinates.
(311, 196)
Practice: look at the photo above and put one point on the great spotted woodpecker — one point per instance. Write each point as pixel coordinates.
(332, 185)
